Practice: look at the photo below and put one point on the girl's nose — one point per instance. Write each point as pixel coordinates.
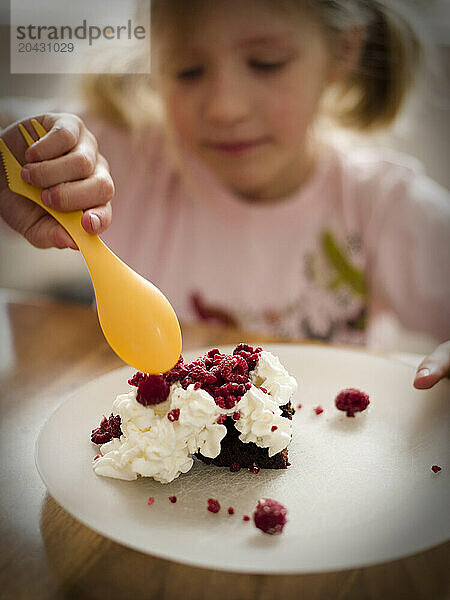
(227, 100)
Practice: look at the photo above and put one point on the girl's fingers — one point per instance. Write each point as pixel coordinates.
(87, 193)
(78, 164)
(64, 132)
(48, 233)
(434, 367)
(97, 219)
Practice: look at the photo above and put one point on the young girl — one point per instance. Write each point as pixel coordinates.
(231, 204)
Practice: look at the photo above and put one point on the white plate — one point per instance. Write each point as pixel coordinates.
(359, 491)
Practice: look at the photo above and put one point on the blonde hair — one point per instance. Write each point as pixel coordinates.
(370, 98)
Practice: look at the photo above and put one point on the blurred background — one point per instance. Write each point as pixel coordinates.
(423, 130)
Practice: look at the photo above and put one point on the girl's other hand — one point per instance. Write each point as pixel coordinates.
(434, 367)
(73, 174)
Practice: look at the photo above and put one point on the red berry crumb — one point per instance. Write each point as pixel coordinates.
(98, 456)
(254, 468)
(137, 378)
(263, 389)
(235, 467)
(173, 499)
(299, 406)
(174, 414)
(213, 505)
(273, 428)
(318, 410)
(221, 419)
(246, 518)
(352, 400)
(270, 516)
(197, 385)
(150, 500)
(236, 415)
(109, 428)
(231, 510)
(436, 468)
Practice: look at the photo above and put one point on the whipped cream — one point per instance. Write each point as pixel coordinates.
(154, 446)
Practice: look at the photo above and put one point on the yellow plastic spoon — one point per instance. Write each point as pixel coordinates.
(137, 320)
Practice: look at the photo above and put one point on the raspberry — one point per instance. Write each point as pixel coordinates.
(213, 505)
(235, 467)
(249, 354)
(209, 357)
(174, 414)
(109, 428)
(197, 385)
(318, 410)
(198, 373)
(234, 368)
(173, 499)
(243, 347)
(352, 400)
(221, 419)
(436, 468)
(154, 389)
(270, 516)
(236, 415)
(220, 401)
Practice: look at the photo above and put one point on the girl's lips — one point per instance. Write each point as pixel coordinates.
(238, 146)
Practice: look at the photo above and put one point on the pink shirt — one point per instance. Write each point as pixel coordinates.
(367, 233)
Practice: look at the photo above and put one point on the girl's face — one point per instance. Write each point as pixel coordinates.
(241, 89)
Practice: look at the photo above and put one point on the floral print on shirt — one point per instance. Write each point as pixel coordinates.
(332, 305)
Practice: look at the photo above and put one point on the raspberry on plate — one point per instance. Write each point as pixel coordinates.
(270, 516)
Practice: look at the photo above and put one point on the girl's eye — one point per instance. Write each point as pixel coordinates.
(267, 67)
(190, 74)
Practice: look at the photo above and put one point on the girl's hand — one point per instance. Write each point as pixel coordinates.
(67, 164)
(434, 367)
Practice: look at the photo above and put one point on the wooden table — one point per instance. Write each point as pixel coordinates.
(46, 349)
